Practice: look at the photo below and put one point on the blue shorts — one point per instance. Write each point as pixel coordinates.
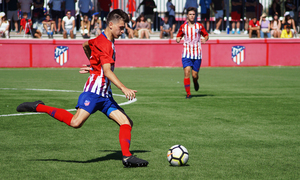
(194, 63)
(92, 102)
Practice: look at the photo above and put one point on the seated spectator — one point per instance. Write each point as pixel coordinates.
(254, 27)
(68, 25)
(85, 27)
(130, 26)
(96, 25)
(4, 27)
(143, 27)
(48, 25)
(165, 28)
(264, 26)
(275, 26)
(286, 32)
(289, 21)
(26, 25)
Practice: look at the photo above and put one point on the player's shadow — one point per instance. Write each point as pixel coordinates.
(115, 155)
(201, 95)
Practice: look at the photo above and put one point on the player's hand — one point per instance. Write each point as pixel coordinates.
(203, 41)
(85, 69)
(129, 93)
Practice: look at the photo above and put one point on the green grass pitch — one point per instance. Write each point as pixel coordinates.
(243, 123)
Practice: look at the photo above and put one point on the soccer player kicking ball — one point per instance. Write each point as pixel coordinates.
(97, 93)
(192, 52)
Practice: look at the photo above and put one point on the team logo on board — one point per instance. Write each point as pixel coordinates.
(61, 54)
(238, 54)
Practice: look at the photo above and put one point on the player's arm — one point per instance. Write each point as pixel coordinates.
(179, 35)
(87, 49)
(129, 93)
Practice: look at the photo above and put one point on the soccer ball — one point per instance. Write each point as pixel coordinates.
(178, 155)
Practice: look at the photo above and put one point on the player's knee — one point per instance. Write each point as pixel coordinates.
(76, 124)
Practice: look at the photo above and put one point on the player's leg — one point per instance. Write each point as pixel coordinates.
(195, 70)
(186, 81)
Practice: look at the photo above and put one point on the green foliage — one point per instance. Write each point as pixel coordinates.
(243, 123)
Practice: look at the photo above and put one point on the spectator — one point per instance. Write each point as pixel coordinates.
(85, 6)
(250, 12)
(254, 27)
(85, 27)
(56, 12)
(290, 7)
(70, 6)
(287, 20)
(38, 10)
(104, 7)
(191, 3)
(298, 20)
(25, 6)
(171, 12)
(96, 25)
(26, 24)
(149, 5)
(129, 27)
(165, 28)
(4, 27)
(142, 27)
(286, 32)
(275, 27)
(12, 12)
(275, 7)
(218, 10)
(236, 11)
(264, 26)
(68, 25)
(205, 13)
(48, 25)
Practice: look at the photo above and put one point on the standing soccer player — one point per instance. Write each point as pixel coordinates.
(192, 52)
(97, 93)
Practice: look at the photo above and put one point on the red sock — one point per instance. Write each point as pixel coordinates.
(186, 82)
(125, 138)
(59, 114)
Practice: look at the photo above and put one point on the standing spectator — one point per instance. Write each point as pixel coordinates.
(104, 7)
(205, 13)
(26, 24)
(275, 27)
(289, 22)
(286, 32)
(171, 12)
(250, 12)
(218, 9)
(85, 27)
(48, 25)
(96, 25)
(275, 7)
(191, 3)
(56, 12)
(38, 10)
(254, 27)
(68, 25)
(290, 7)
(142, 27)
(12, 12)
(130, 26)
(26, 7)
(149, 5)
(4, 27)
(165, 28)
(236, 11)
(70, 6)
(264, 26)
(85, 6)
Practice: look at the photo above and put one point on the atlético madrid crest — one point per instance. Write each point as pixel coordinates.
(238, 54)
(61, 54)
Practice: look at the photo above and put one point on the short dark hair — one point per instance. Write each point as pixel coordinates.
(191, 9)
(48, 15)
(25, 14)
(117, 15)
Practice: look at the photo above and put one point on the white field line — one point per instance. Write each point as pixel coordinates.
(55, 90)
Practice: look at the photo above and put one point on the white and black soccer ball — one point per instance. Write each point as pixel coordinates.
(178, 155)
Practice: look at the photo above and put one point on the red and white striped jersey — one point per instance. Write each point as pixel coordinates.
(102, 52)
(192, 40)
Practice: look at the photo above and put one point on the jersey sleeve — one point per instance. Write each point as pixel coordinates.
(180, 32)
(104, 52)
(203, 32)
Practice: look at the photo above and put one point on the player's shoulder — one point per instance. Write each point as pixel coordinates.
(101, 42)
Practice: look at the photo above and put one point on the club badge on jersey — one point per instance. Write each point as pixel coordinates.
(61, 54)
(238, 54)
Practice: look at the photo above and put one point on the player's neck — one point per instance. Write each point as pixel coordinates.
(108, 34)
(191, 23)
